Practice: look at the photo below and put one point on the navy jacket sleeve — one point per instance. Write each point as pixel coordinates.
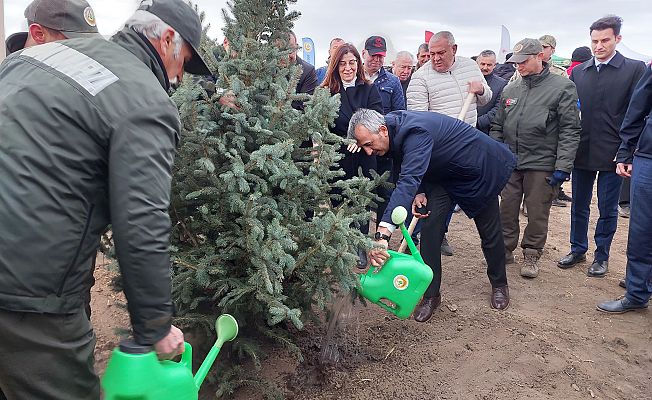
(416, 150)
(634, 122)
(398, 99)
(374, 101)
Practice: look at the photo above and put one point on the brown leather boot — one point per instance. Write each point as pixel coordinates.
(530, 267)
(424, 310)
(500, 297)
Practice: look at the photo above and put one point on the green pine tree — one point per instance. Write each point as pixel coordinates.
(254, 230)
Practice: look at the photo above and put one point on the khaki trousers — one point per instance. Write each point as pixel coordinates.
(538, 198)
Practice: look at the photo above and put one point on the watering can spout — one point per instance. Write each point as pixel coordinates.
(226, 328)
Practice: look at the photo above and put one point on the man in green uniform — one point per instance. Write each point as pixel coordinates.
(87, 138)
(538, 118)
(52, 20)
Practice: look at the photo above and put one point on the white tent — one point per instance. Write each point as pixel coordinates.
(629, 53)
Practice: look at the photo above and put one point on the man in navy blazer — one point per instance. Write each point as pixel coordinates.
(605, 84)
(634, 160)
(439, 161)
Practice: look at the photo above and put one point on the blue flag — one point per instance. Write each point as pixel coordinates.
(308, 50)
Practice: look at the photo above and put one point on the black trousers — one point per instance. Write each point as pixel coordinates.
(489, 228)
(47, 356)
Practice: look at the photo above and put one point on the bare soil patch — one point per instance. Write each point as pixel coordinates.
(551, 343)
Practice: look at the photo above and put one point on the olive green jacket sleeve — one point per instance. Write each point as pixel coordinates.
(569, 127)
(141, 155)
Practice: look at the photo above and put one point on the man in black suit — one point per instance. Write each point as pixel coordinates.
(605, 84)
(308, 80)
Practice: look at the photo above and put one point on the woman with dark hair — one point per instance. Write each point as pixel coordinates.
(346, 77)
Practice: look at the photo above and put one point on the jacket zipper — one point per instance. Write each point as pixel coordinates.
(74, 259)
(518, 121)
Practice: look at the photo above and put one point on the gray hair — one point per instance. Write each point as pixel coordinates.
(405, 54)
(150, 25)
(487, 53)
(443, 35)
(370, 119)
(423, 46)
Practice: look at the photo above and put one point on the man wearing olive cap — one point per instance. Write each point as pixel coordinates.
(549, 44)
(538, 118)
(52, 20)
(87, 138)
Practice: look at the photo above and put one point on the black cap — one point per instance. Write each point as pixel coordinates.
(16, 42)
(581, 54)
(376, 45)
(183, 19)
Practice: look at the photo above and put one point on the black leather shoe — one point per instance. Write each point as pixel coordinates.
(500, 298)
(424, 310)
(620, 306)
(570, 259)
(598, 269)
(622, 284)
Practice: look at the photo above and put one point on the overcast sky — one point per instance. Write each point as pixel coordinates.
(475, 24)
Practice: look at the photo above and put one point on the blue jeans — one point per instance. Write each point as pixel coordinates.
(608, 193)
(639, 242)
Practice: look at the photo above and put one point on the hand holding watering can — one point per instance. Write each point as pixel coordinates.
(135, 373)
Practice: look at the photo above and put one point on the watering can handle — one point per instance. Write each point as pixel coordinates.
(186, 357)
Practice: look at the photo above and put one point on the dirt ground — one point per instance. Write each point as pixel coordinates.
(551, 343)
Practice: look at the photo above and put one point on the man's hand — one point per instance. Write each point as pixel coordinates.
(228, 100)
(171, 345)
(476, 87)
(378, 255)
(624, 170)
(419, 201)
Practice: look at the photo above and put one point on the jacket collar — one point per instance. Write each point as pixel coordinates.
(617, 61)
(391, 121)
(535, 79)
(142, 48)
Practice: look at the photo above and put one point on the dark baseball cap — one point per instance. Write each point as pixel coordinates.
(376, 45)
(73, 18)
(183, 19)
(524, 49)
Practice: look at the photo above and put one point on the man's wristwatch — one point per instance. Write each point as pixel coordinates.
(379, 236)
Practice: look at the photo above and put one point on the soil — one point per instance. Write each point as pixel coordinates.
(551, 343)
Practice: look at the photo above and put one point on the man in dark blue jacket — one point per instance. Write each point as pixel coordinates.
(391, 94)
(605, 84)
(440, 160)
(487, 62)
(634, 159)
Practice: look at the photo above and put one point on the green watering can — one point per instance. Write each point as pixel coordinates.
(400, 284)
(134, 372)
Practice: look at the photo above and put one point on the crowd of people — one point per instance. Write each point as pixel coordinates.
(556, 122)
(80, 148)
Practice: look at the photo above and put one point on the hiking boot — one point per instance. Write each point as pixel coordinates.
(446, 249)
(530, 267)
(558, 203)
